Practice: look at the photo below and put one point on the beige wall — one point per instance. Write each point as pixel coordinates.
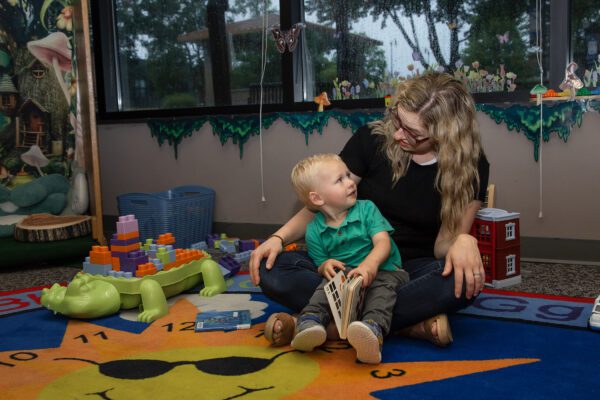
(132, 161)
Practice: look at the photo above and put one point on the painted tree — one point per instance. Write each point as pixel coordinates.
(500, 33)
(148, 45)
(341, 13)
(443, 17)
(492, 32)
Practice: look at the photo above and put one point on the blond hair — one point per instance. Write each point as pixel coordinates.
(447, 110)
(304, 174)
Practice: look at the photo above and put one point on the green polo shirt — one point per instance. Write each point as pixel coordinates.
(351, 242)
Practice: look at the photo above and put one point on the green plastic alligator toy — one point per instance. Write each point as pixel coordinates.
(93, 296)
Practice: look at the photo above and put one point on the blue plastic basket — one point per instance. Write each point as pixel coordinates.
(185, 211)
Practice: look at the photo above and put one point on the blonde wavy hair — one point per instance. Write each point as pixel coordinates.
(447, 110)
(304, 173)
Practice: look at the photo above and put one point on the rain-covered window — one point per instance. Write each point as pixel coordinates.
(186, 54)
(195, 53)
(585, 40)
(360, 49)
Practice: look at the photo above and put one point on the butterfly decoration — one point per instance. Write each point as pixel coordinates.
(289, 37)
(452, 25)
(503, 38)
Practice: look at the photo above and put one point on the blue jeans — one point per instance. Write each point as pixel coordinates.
(294, 278)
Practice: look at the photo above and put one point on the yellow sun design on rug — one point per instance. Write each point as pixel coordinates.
(170, 361)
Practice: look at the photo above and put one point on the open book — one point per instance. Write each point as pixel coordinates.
(345, 299)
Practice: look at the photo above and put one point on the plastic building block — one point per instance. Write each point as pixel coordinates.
(227, 246)
(100, 255)
(157, 263)
(200, 246)
(245, 245)
(230, 264)
(127, 224)
(165, 238)
(95, 269)
(291, 247)
(145, 269)
(148, 244)
(243, 256)
(133, 259)
(128, 236)
(210, 239)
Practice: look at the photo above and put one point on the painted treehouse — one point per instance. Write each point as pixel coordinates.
(32, 125)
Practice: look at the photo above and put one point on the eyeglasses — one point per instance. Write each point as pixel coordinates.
(413, 137)
(143, 369)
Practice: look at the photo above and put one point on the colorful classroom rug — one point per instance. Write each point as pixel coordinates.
(47, 356)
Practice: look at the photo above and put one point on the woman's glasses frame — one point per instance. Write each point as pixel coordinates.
(413, 137)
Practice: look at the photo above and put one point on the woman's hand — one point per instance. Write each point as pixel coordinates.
(269, 249)
(329, 267)
(463, 257)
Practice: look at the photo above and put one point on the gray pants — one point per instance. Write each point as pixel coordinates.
(380, 298)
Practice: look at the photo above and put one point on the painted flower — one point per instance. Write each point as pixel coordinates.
(12, 2)
(410, 67)
(483, 73)
(440, 69)
(65, 19)
(473, 75)
(475, 64)
(458, 64)
(511, 75)
(416, 56)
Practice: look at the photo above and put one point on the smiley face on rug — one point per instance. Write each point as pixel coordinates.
(201, 373)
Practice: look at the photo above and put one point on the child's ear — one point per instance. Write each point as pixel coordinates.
(315, 199)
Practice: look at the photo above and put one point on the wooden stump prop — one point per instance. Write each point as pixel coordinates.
(48, 228)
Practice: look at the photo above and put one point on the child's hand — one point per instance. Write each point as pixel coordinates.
(329, 267)
(367, 272)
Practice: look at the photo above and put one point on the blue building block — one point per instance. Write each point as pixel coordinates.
(199, 246)
(96, 269)
(243, 256)
(230, 264)
(227, 246)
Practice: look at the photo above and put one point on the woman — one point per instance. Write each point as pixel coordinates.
(424, 167)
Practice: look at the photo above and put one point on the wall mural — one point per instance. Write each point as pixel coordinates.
(558, 118)
(41, 145)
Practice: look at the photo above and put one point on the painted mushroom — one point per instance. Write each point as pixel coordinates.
(538, 90)
(322, 100)
(35, 158)
(54, 51)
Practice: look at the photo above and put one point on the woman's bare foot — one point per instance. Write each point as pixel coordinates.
(435, 329)
(279, 329)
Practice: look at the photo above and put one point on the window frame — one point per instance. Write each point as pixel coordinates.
(291, 11)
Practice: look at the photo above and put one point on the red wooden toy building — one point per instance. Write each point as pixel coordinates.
(497, 233)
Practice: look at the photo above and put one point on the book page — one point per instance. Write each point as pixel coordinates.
(334, 292)
(353, 297)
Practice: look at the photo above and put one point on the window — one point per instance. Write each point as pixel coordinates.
(510, 230)
(189, 57)
(511, 264)
(362, 52)
(585, 39)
